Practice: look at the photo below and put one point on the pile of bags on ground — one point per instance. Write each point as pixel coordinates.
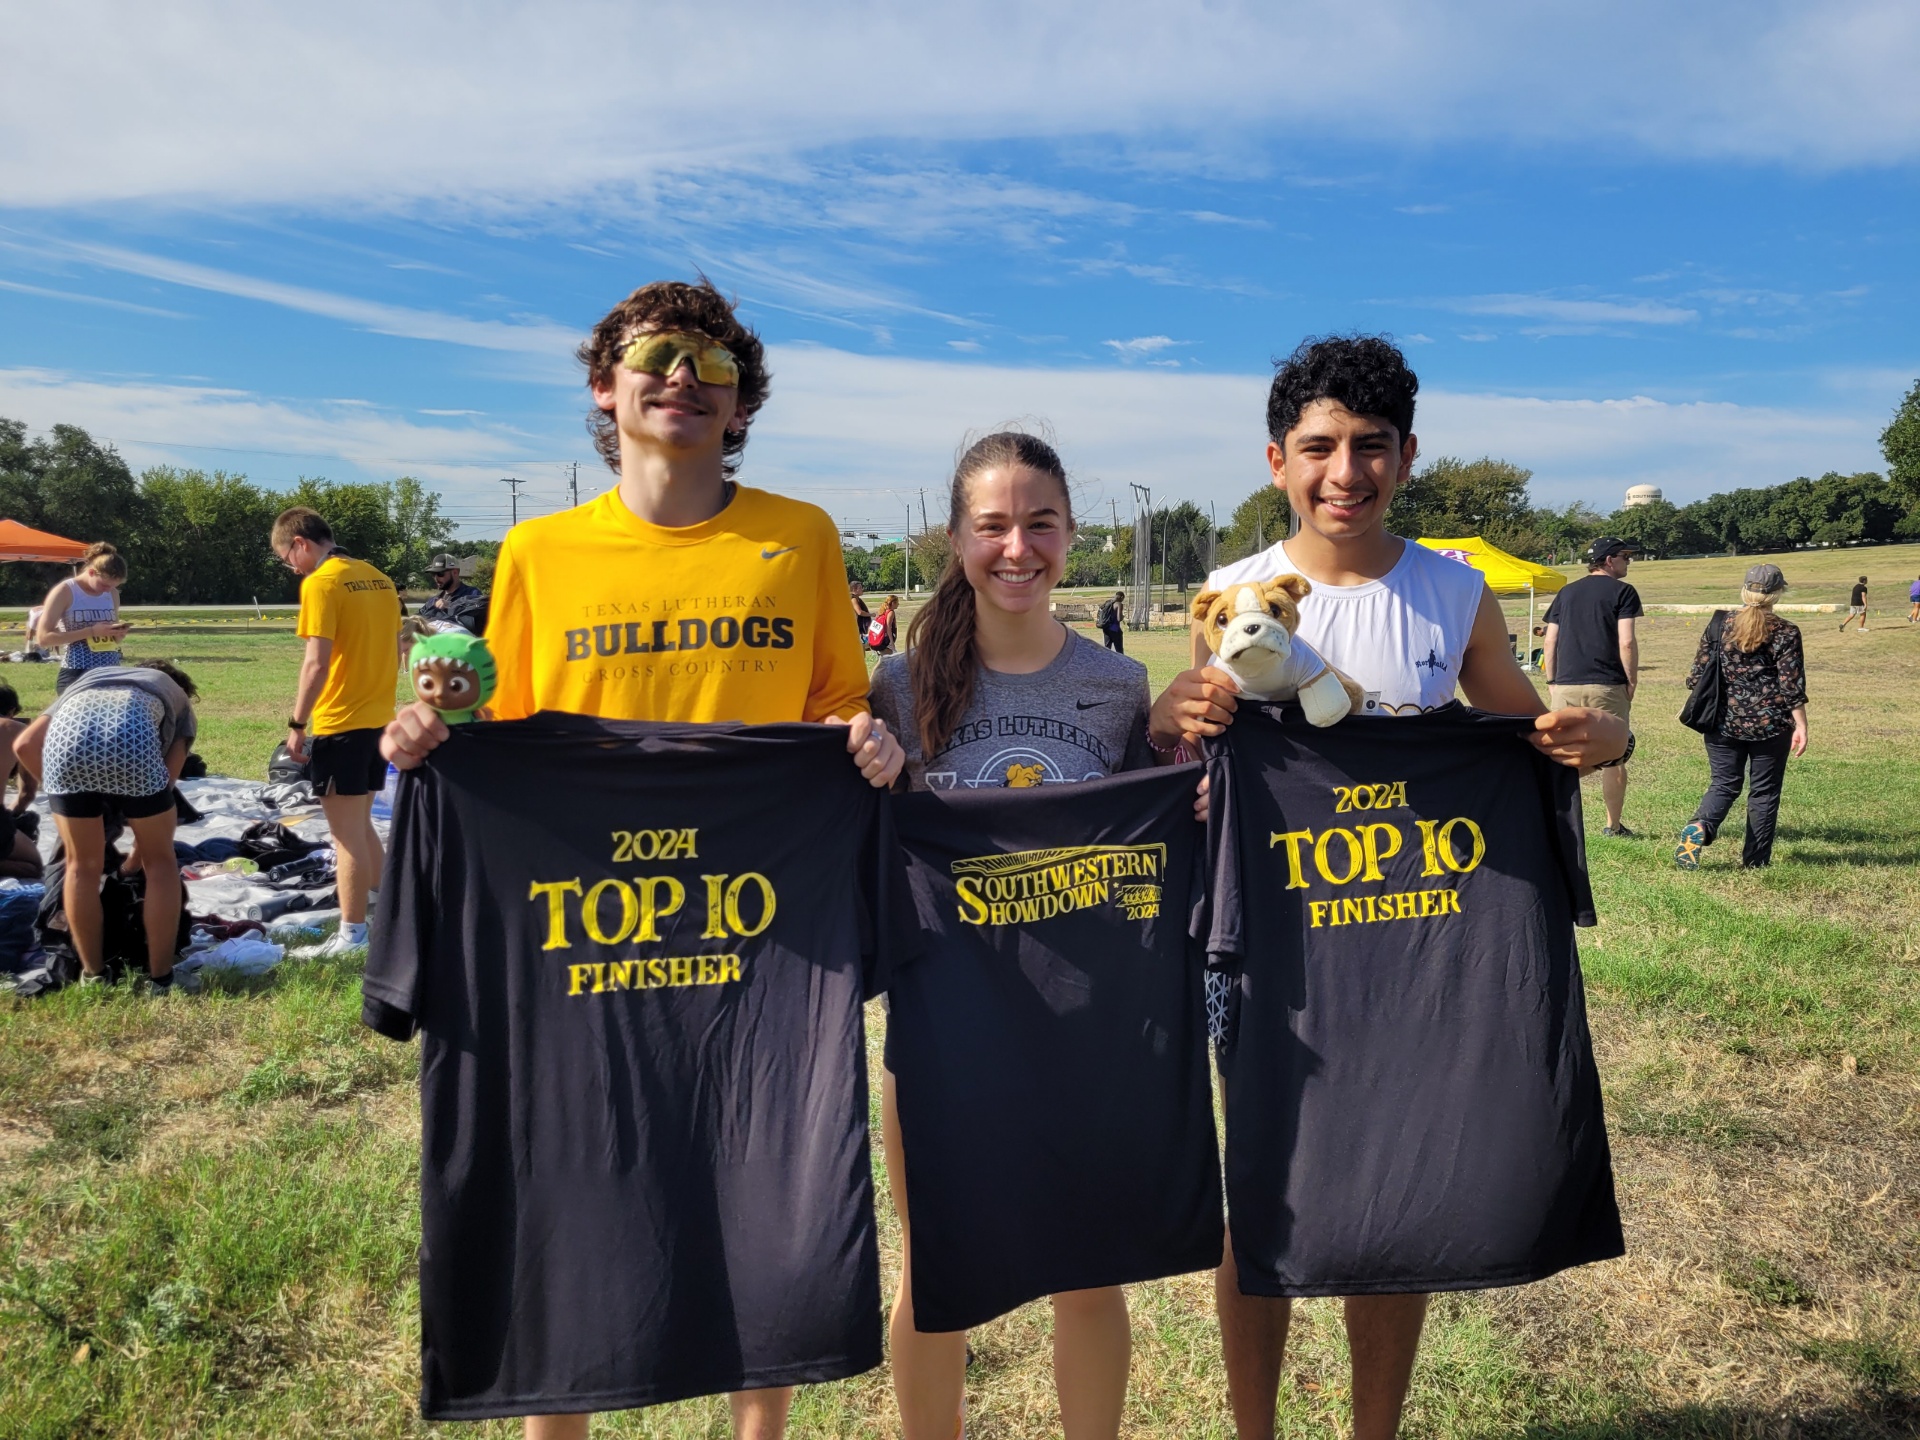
(257, 872)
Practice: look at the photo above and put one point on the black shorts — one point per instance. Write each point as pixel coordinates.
(349, 763)
(93, 804)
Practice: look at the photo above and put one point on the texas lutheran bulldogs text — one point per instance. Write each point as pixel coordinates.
(616, 910)
(1340, 856)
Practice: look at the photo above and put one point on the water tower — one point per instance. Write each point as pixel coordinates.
(1643, 495)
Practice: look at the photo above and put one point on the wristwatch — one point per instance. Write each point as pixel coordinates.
(296, 724)
(1620, 759)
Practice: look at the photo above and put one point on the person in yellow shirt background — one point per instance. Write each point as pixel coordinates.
(680, 594)
(350, 618)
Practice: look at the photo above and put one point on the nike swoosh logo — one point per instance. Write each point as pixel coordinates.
(769, 554)
(1090, 704)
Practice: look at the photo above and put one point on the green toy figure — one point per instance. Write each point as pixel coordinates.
(453, 672)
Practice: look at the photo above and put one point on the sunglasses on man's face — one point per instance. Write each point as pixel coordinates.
(661, 352)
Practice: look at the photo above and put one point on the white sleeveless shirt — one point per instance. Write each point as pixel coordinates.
(1401, 637)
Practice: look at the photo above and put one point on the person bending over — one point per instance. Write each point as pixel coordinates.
(116, 739)
(1411, 626)
(676, 380)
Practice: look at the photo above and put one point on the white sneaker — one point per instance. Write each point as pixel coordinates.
(340, 943)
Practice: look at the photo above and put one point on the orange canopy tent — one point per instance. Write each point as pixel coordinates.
(22, 542)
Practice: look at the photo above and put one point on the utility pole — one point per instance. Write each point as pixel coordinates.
(510, 480)
(923, 512)
(573, 485)
(1142, 555)
(906, 542)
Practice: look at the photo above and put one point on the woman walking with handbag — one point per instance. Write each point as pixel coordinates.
(1752, 662)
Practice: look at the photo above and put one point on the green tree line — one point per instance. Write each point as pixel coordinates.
(196, 536)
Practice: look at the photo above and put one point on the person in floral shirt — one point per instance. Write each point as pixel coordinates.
(1763, 721)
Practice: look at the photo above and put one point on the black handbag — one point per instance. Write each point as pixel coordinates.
(1706, 707)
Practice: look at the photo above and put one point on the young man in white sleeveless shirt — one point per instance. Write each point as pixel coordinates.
(1410, 626)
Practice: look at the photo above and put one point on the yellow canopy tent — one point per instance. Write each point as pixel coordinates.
(1506, 575)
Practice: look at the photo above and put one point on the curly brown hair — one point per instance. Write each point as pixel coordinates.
(674, 305)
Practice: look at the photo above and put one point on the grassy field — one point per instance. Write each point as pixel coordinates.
(209, 1205)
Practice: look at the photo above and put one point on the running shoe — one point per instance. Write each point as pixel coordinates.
(1618, 832)
(1693, 839)
(337, 944)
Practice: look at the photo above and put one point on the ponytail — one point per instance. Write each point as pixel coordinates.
(105, 561)
(1748, 630)
(943, 657)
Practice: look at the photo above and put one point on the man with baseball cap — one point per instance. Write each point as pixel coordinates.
(462, 605)
(1592, 656)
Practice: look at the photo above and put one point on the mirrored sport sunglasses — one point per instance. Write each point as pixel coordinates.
(661, 352)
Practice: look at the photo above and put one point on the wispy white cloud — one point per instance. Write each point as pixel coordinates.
(1142, 346)
(71, 295)
(1573, 312)
(369, 105)
(535, 337)
(1423, 209)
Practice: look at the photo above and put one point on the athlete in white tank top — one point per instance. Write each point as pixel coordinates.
(1401, 637)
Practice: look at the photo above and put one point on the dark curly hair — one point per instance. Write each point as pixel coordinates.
(673, 305)
(1365, 373)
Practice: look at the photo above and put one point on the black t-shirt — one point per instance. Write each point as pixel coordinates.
(1049, 1047)
(636, 955)
(1589, 612)
(1859, 595)
(1411, 1098)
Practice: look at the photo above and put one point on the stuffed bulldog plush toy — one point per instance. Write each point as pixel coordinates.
(1250, 629)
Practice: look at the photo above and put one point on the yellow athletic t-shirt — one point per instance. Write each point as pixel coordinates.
(742, 617)
(352, 604)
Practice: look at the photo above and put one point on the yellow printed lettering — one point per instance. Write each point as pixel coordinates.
(1373, 838)
(590, 913)
(1446, 846)
(716, 885)
(651, 910)
(1428, 848)
(1355, 856)
(1293, 839)
(556, 910)
(973, 910)
(734, 921)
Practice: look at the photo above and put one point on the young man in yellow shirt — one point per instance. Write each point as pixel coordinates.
(350, 618)
(679, 594)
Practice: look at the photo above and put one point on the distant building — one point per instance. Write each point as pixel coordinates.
(1643, 495)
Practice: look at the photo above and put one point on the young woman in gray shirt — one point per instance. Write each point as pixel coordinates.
(993, 691)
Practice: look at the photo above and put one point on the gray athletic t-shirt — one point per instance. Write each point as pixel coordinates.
(1082, 717)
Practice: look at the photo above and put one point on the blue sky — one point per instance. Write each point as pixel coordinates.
(1633, 247)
